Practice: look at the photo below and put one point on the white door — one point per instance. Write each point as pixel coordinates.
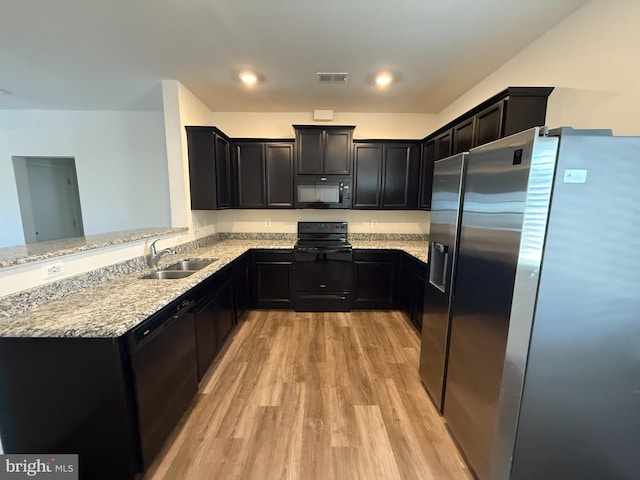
(54, 198)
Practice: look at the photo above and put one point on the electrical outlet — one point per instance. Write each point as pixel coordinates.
(374, 223)
(267, 222)
(53, 270)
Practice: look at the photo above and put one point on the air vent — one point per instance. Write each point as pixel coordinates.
(332, 77)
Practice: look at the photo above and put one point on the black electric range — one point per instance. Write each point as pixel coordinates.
(322, 267)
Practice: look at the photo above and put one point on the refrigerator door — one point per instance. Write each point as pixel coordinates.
(496, 191)
(445, 214)
(580, 412)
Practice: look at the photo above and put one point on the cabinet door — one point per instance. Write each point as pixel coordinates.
(226, 314)
(309, 150)
(488, 124)
(207, 345)
(426, 174)
(337, 152)
(250, 175)
(406, 291)
(443, 145)
(368, 175)
(272, 278)
(400, 176)
(223, 172)
(202, 169)
(462, 136)
(373, 279)
(279, 175)
(241, 285)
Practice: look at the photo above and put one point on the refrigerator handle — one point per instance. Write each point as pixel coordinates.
(439, 270)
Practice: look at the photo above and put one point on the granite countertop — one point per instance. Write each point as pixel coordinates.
(114, 307)
(21, 254)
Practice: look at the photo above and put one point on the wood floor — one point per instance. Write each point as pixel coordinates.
(314, 396)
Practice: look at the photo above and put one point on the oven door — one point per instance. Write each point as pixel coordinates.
(322, 279)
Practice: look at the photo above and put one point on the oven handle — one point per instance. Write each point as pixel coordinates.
(323, 250)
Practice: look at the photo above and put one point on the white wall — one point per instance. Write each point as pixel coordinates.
(120, 162)
(368, 125)
(591, 58)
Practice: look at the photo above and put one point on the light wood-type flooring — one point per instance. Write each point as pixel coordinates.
(313, 396)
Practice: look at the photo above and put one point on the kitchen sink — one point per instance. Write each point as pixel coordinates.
(180, 269)
(194, 264)
(167, 274)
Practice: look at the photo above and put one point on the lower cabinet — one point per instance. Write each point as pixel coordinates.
(374, 277)
(214, 317)
(242, 285)
(412, 275)
(272, 279)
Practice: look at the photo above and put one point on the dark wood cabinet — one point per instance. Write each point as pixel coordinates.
(242, 285)
(411, 284)
(223, 171)
(443, 144)
(374, 277)
(367, 175)
(209, 168)
(263, 173)
(510, 111)
(205, 318)
(323, 150)
(279, 175)
(249, 173)
(386, 175)
(426, 174)
(400, 182)
(272, 279)
(488, 124)
(463, 136)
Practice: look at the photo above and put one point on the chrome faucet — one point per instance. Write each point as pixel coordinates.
(154, 255)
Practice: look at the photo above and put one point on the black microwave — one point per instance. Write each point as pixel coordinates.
(324, 191)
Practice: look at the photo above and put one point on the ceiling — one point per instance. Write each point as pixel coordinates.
(111, 55)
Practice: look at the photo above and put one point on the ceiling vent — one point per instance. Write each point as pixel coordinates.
(329, 77)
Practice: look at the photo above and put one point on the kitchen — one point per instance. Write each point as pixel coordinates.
(586, 95)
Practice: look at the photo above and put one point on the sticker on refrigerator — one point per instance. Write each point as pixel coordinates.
(575, 175)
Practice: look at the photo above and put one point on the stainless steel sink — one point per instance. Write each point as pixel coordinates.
(194, 264)
(168, 274)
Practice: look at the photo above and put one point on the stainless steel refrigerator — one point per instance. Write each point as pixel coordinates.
(446, 200)
(543, 373)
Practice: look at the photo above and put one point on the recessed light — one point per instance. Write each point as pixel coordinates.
(249, 78)
(383, 79)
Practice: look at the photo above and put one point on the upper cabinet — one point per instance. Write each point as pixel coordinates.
(511, 111)
(263, 174)
(323, 150)
(386, 175)
(209, 168)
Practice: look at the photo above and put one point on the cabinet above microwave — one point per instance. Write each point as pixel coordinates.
(325, 150)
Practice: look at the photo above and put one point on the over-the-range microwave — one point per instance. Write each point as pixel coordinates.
(323, 191)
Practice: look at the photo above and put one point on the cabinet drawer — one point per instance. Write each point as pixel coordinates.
(374, 255)
(273, 255)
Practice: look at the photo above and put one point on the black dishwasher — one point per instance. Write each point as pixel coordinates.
(163, 353)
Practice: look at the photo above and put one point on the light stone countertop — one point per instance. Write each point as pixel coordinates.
(21, 254)
(114, 307)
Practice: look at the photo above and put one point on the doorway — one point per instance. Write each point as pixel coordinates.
(49, 198)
